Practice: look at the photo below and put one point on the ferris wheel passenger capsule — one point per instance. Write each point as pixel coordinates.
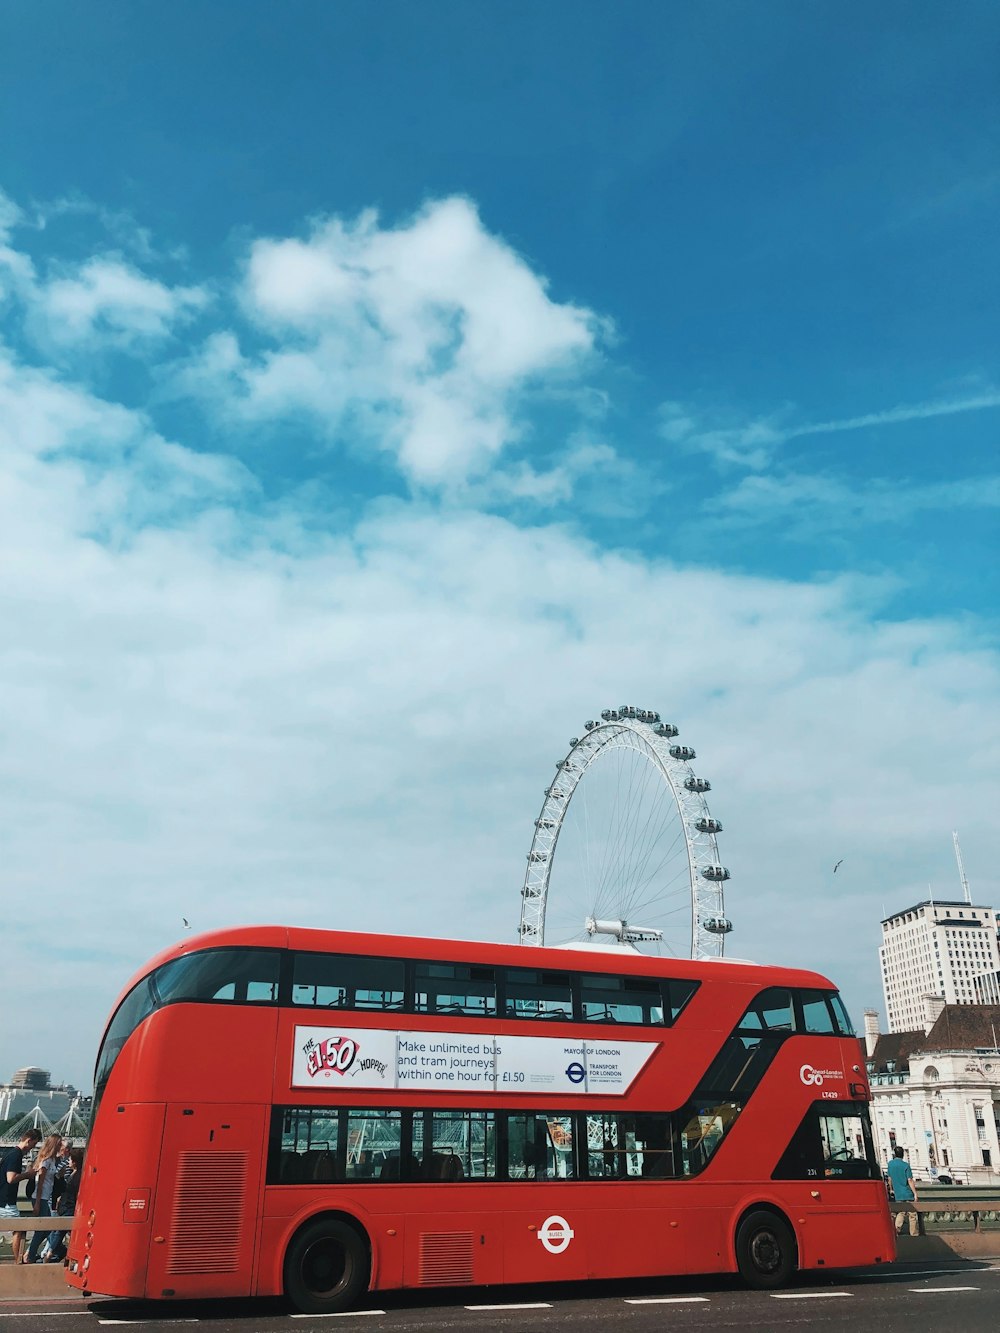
(684, 752)
(708, 825)
(718, 925)
(666, 729)
(715, 873)
(698, 784)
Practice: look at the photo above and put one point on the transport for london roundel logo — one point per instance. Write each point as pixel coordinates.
(576, 1072)
(555, 1233)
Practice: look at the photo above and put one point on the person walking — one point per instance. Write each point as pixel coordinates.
(12, 1172)
(904, 1191)
(55, 1250)
(45, 1168)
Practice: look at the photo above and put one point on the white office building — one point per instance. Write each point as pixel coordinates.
(935, 949)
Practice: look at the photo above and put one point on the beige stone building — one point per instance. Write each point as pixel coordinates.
(936, 1091)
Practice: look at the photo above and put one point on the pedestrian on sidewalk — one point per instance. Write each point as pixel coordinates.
(12, 1172)
(904, 1191)
(46, 1165)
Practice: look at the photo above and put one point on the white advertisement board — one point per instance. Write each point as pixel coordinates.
(327, 1057)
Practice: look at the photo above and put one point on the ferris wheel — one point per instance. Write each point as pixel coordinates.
(638, 859)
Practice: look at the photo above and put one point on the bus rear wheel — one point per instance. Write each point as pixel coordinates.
(326, 1268)
(765, 1250)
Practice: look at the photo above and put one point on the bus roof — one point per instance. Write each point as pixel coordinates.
(483, 952)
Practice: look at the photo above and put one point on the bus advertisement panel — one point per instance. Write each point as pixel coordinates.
(317, 1114)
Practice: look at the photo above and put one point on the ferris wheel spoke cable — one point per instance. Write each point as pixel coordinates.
(663, 885)
(666, 891)
(640, 878)
(642, 842)
(613, 856)
(612, 824)
(587, 844)
(668, 855)
(663, 898)
(629, 832)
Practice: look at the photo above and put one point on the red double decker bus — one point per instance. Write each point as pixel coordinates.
(319, 1114)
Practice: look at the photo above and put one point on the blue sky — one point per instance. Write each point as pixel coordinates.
(501, 362)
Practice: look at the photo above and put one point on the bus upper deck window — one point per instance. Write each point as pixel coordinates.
(346, 981)
(240, 976)
(455, 988)
(611, 999)
(680, 993)
(532, 994)
(771, 1011)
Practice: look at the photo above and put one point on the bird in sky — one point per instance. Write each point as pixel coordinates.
(835, 869)
(187, 923)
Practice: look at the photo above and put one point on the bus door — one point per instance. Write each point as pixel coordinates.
(207, 1201)
(544, 1240)
(453, 1235)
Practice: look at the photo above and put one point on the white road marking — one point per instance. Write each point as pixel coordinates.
(41, 1314)
(526, 1305)
(806, 1295)
(664, 1300)
(931, 1291)
(341, 1314)
(887, 1275)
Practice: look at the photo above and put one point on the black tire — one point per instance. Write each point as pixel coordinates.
(327, 1267)
(765, 1250)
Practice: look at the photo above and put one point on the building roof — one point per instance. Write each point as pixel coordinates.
(894, 1048)
(934, 903)
(963, 1027)
(959, 1027)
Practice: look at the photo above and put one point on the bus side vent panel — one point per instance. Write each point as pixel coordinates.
(446, 1258)
(208, 1215)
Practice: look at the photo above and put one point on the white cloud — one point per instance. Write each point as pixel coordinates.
(233, 709)
(753, 444)
(17, 272)
(590, 475)
(10, 216)
(903, 412)
(220, 713)
(809, 505)
(420, 338)
(110, 299)
(744, 444)
(104, 300)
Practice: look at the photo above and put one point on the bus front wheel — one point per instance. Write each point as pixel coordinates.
(765, 1250)
(326, 1268)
